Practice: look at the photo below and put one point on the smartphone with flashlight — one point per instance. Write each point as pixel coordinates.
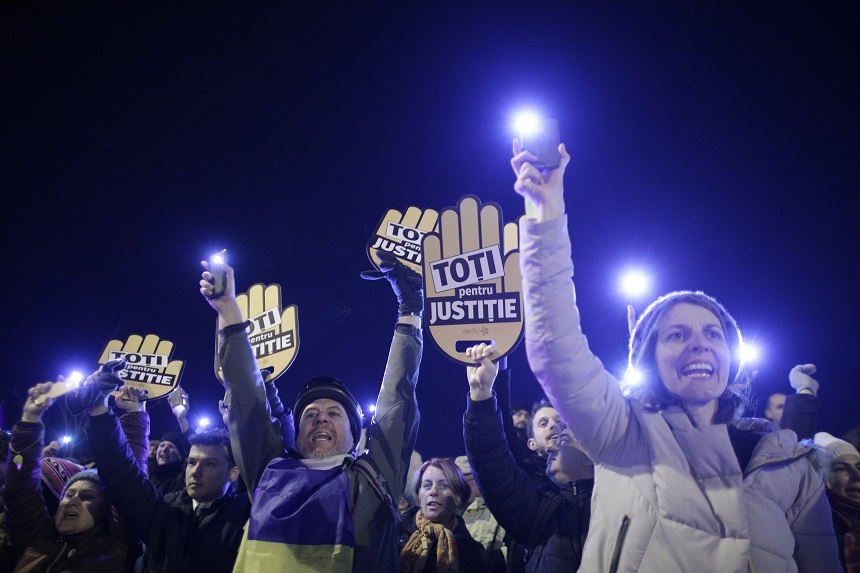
(219, 277)
(176, 398)
(543, 141)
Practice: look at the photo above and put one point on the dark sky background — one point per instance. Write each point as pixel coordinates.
(713, 143)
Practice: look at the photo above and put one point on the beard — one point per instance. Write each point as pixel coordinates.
(324, 449)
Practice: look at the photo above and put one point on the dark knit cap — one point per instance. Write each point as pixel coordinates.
(175, 438)
(320, 387)
(89, 475)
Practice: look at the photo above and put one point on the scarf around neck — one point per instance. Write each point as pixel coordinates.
(429, 535)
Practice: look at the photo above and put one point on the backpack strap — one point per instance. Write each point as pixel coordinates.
(365, 466)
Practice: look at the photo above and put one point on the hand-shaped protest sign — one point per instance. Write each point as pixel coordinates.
(148, 364)
(401, 234)
(274, 333)
(472, 281)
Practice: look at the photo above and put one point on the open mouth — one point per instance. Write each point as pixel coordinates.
(698, 370)
(319, 436)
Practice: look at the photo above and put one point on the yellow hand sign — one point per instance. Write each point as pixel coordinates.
(149, 366)
(274, 334)
(401, 234)
(472, 281)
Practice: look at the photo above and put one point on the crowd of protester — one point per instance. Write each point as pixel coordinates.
(599, 475)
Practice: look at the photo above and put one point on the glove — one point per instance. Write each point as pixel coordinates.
(405, 283)
(800, 378)
(104, 381)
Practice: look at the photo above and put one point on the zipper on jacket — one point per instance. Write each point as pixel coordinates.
(616, 555)
(59, 556)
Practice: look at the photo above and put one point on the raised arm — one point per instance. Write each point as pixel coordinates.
(505, 487)
(587, 397)
(254, 436)
(392, 434)
(26, 513)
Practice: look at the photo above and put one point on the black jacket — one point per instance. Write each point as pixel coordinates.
(472, 555)
(176, 540)
(552, 522)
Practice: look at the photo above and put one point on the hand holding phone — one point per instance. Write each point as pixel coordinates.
(219, 276)
(543, 141)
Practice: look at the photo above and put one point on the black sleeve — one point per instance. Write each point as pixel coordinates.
(800, 415)
(506, 488)
(129, 490)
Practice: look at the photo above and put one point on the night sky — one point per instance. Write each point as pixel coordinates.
(714, 144)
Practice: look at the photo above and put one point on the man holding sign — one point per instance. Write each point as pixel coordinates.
(319, 507)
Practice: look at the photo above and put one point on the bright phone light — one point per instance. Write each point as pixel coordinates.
(632, 376)
(217, 258)
(66, 439)
(371, 408)
(634, 283)
(750, 352)
(526, 122)
(203, 422)
(75, 377)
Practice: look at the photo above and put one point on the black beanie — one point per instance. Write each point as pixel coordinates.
(330, 387)
(175, 438)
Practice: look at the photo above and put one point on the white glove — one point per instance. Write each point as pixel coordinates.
(800, 378)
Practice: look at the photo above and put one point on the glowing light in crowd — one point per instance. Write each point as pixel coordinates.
(526, 122)
(202, 423)
(371, 408)
(65, 440)
(632, 376)
(750, 352)
(634, 283)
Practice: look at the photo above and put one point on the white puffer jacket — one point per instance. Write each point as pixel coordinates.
(668, 496)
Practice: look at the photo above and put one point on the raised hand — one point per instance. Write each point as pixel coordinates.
(800, 378)
(131, 399)
(545, 189)
(38, 400)
(482, 373)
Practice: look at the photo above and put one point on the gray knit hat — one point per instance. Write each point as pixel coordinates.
(89, 475)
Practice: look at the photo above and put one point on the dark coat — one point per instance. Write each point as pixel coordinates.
(176, 539)
(517, 503)
(472, 555)
(32, 529)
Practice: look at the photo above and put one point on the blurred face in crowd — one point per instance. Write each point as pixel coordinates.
(153, 449)
(566, 462)
(844, 477)
(167, 453)
(692, 355)
(435, 496)
(775, 405)
(545, 427)
(324, 430)
(208, 472)
(521, 419)
(83, 506)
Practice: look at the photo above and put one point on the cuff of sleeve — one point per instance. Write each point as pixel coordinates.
(404, 328)
(476, 409)
(232, 329)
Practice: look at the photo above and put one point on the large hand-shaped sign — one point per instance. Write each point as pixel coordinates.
(472, 280)
(401, 234)
(148, 364)
(274, 333)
